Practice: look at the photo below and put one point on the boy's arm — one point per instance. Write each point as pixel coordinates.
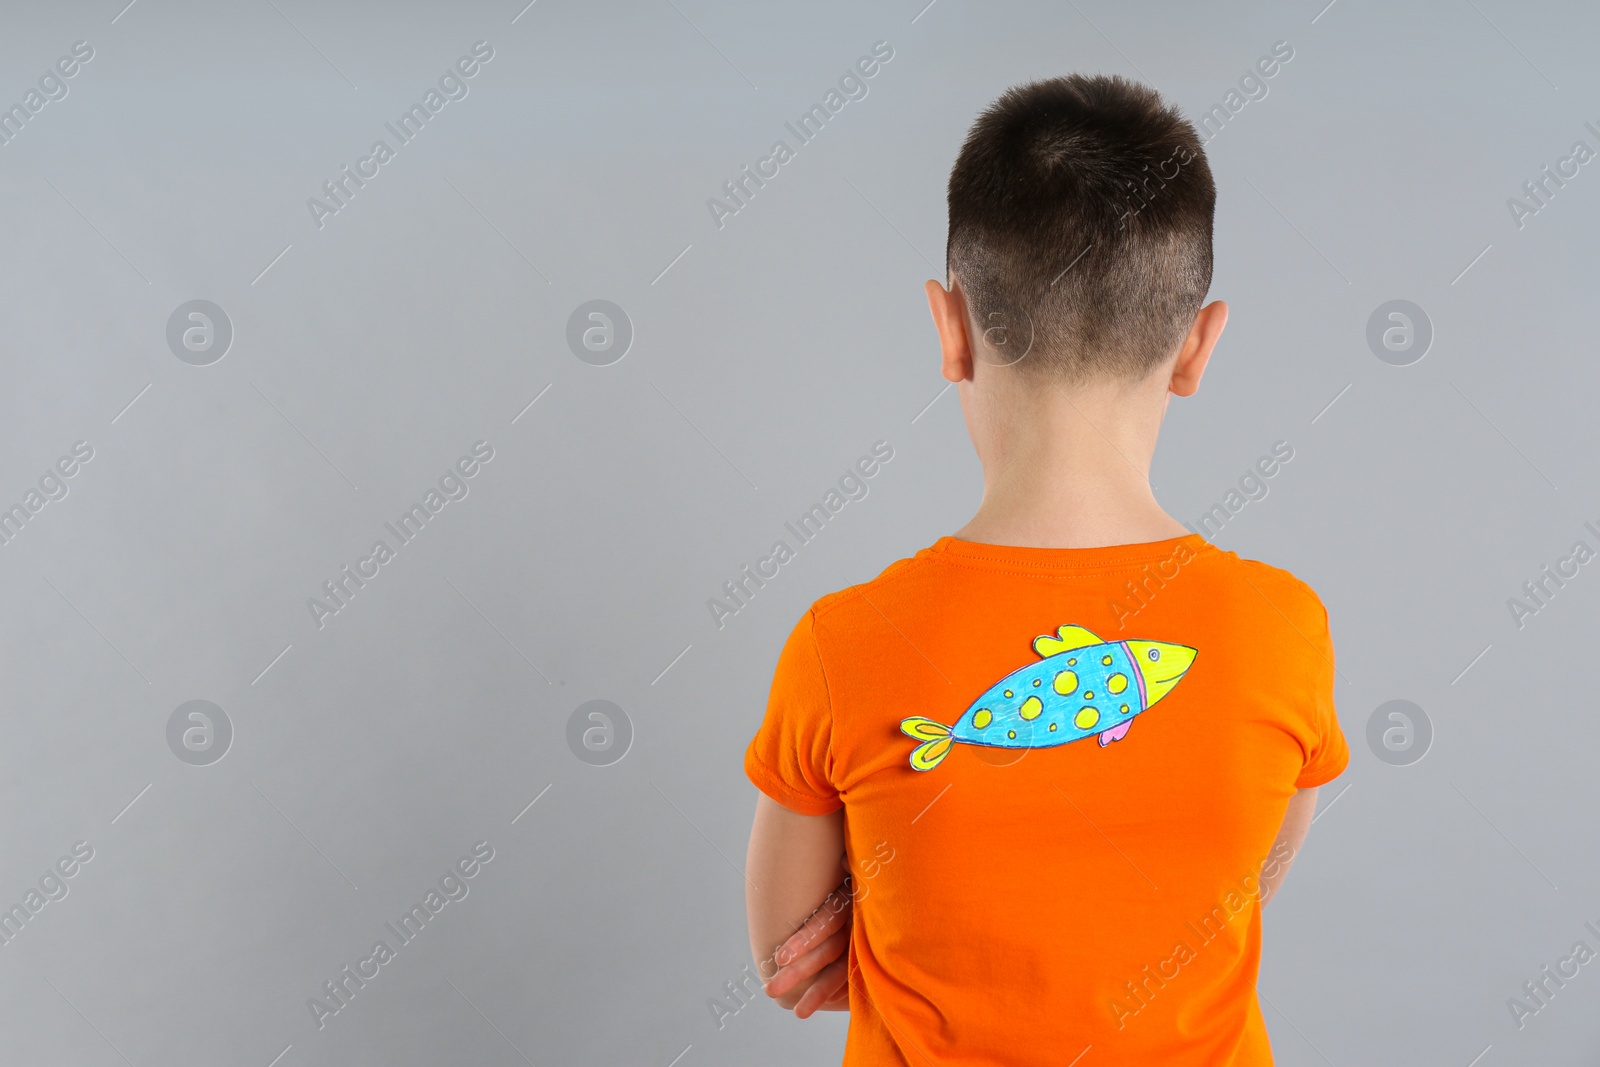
(795, 862)
(1291, 835)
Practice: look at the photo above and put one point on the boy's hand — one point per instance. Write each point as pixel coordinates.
(813, 965)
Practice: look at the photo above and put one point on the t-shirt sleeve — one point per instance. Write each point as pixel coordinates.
(1327, 753)
(790, 759)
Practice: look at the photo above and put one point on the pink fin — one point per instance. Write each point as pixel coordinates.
(1116, 733)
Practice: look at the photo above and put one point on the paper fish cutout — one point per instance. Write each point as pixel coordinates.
(1081, 687)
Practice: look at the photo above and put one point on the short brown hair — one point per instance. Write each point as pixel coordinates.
(1080, 224)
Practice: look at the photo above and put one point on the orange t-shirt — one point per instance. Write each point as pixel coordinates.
(1062, 771)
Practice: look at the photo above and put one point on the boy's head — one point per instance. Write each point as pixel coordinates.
(1080, 230)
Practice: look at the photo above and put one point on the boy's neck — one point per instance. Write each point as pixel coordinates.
(1057, 476)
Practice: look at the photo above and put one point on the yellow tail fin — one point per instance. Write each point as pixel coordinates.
(935, 738)
(927, 756)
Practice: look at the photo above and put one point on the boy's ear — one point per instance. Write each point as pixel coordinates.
(1197, 347)
(949, 308)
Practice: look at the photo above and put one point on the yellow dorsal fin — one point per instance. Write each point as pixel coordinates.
(1065, 639)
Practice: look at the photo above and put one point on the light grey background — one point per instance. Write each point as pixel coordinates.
(369, 354)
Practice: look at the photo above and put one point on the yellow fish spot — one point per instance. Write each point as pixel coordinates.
(1106, 660)
(1124, 709)
(1066, 683)
(1072, 662)
(1086, 718)
(1011, 734)
(1117, 683)
(1052, 727)
(1088, 696)
(1031, 708)
(1036, 683)
(1009, 693)
(983, 717)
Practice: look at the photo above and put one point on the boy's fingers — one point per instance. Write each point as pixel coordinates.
(809, 964)
(830, 980)
(840, 1001)
(833, 915)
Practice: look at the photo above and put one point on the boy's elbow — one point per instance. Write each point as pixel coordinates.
(792, 866)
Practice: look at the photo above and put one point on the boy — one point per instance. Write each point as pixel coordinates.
(1068, 753)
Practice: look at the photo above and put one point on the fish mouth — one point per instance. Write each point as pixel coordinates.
(1169, 678)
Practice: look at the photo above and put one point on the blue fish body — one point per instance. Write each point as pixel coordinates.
(1062, 698)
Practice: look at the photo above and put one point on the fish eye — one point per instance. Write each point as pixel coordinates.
(1155, 653)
